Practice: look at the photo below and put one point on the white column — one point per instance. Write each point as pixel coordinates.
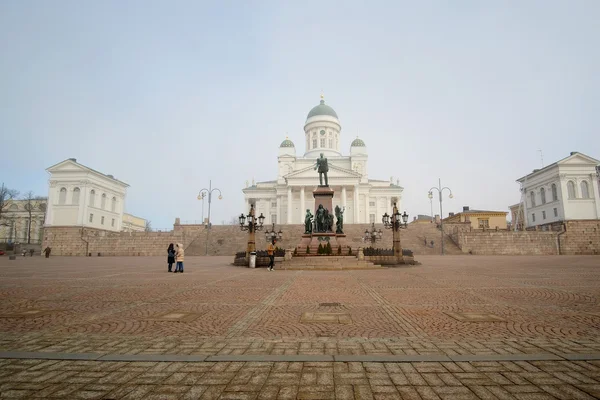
(289, 205)
(377, 207)
(595, 194)
(343, 197)
(356, 209)
(302, 204)
(83, 199)
(367, 207)
(279, 220)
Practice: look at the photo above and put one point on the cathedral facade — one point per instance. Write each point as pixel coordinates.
(286, 199)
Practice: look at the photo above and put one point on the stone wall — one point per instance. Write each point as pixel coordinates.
(508, 243)
(580, 237)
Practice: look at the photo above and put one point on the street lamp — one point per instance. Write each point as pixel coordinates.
(373, 235)
(440, 189)
(205, 192)
(270, 236)
(395, 224)
(254, 224)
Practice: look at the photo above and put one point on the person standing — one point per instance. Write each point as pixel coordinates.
(179, 258)
(47, 251)
(271, 254)
(171, 256)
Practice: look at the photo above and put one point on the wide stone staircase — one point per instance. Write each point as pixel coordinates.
(414, 236)
(332, 263)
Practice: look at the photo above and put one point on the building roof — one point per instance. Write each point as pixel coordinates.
(554, 164)
(358, 143)
(74, 160)
(321, 109)
(287, 143)
(481, 212)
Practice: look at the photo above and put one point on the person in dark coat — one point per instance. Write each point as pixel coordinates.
(171, 256)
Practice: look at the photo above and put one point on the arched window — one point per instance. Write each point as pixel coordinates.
(554, 192)
(76, 193)
(532, 196)
(543, 195)
(62, 196)
(92, 198)
(571, 189)
(585, 191)
(113, 206)
(103, 201)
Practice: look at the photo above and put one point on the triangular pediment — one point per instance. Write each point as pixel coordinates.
(334, 172)
(579, 158)
(67, 166)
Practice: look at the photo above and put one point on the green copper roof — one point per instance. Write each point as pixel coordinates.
(358, 143)
(287, 143)
(322, 109)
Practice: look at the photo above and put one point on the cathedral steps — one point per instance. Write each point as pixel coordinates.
(327, 263)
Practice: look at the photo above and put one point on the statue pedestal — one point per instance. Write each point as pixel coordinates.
(323, 195)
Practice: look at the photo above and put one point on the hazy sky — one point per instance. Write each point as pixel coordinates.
(166, 95)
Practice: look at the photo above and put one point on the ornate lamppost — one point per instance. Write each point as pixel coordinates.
(270, 235)
(254, 224)
(440, 189)
(373, 235)
(201, 195)
(395, 225)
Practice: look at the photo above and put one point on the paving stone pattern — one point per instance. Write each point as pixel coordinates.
(509, 311)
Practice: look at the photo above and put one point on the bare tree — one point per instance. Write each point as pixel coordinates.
(148, 226)
(234, 220)
(6, 195)
(32, 203)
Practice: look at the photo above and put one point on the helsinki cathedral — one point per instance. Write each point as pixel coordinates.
(285, 199)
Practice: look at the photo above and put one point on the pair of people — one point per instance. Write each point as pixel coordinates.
(175, 255)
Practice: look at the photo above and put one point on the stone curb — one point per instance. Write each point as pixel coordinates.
(383, 358)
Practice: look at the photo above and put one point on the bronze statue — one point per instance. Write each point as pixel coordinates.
(323, 168)
(339, 213)
(308, 222)
(320, 218)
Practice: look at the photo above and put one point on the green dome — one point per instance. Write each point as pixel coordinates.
(322, 109)
(358, 143)
(287, 143)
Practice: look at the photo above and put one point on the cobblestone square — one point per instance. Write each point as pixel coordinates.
(454, 327)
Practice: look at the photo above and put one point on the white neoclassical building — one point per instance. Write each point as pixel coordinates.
(562, 191)
(285, 199)
(81, 196)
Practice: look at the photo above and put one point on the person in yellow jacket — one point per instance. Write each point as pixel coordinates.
(179, 258)
(271, 254)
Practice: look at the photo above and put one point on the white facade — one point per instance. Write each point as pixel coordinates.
(81, 196)
(564, 190)
(286, 199)
(16, 218)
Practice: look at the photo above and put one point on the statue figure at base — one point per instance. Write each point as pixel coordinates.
(320, 218)
(339, 214)
(308, 222)
(323, 169)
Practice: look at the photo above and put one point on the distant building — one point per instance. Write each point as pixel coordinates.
(81, 196)
(517, 215)
(422, 219)
(131, 223)
(480, 219)
(14, 225)
(562, 191)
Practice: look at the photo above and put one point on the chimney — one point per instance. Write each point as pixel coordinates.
(451, 214)
(465, 208)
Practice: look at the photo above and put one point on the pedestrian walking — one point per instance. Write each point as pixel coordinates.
(31, 251)
(47, 251)
(171, 256)
(271, 254)
(179, 258)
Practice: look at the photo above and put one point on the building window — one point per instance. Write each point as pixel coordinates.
(371, 218)
(483, 223)
(92, 198)
(555, 212)
(533, 217)
(543, 195)
(103, 201)
(371, 204)
(532, 196)
(554, 192)
(113, 206)
(543, 214)
(101, 220)
(91, 217)
(585, 192)
(314, 143)
(322, 142)
(112, 223)
(274, 204)
(76, 193)
(62, 196)
(571, 189)
(273, 218)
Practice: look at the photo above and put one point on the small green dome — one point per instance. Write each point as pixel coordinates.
(358, 143)
(287, 143)
(322, 109)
